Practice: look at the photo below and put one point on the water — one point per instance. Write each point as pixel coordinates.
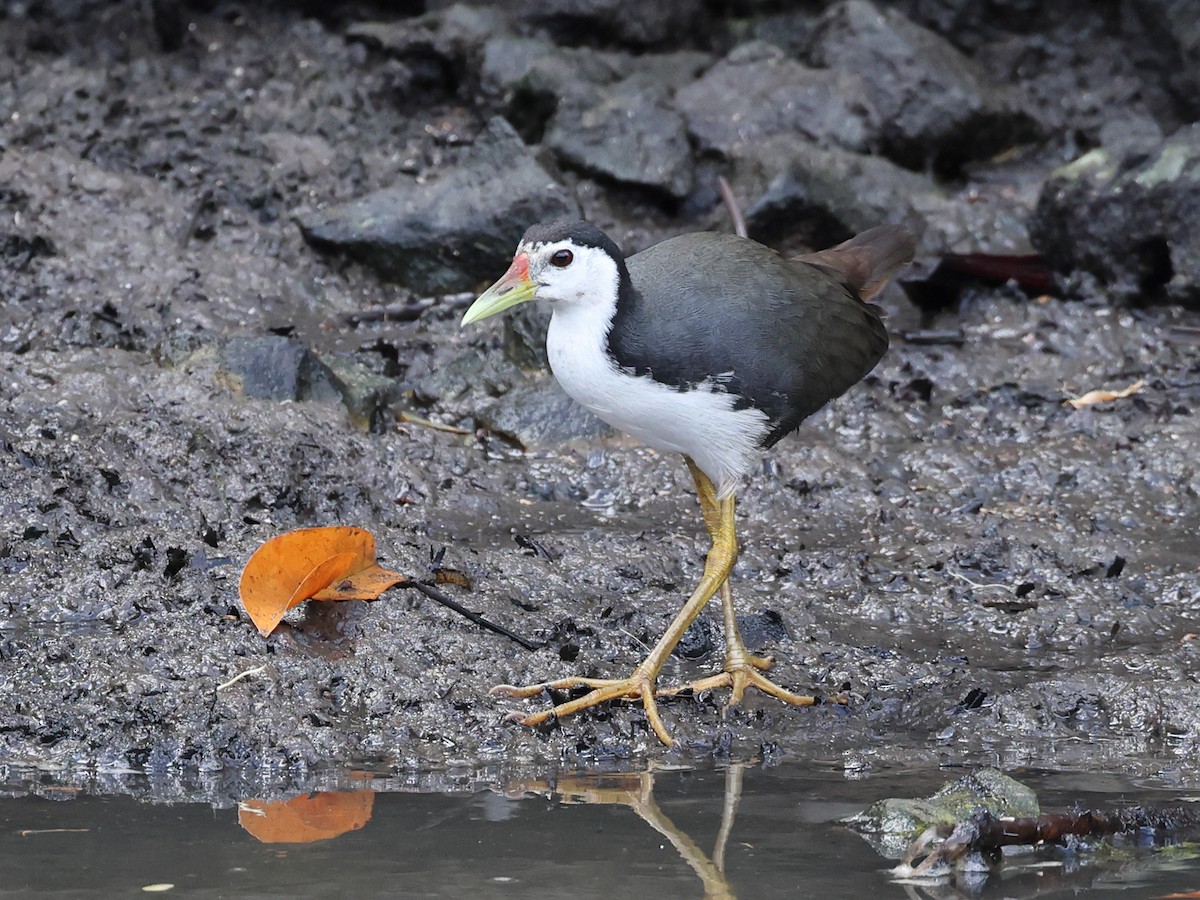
(741, 831)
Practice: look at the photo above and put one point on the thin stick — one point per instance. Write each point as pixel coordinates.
(236, 678)
(26, 832)
(731, 204)
(977, 584)
(434, 594)
(414, 419)
(985, 832)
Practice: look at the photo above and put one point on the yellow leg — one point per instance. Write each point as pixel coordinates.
(742, 669)
(641, 684)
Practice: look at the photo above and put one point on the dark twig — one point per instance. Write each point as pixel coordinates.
(1187, 333)
(731, 204)
(986, 833)
(434, 594)
(954, 337)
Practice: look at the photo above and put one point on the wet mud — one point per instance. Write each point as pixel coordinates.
(982, 571)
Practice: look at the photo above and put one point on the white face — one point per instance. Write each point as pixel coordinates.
(567, 274)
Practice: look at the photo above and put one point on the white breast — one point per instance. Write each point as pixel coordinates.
(702, 423)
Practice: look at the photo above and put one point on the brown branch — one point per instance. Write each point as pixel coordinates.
(986, 833)
(731, 204)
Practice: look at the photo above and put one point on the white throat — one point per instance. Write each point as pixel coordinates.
(701, 422)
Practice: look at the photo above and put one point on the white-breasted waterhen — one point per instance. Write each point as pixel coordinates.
(710, 345)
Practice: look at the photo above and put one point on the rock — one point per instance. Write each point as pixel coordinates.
(271, 367)
(456, 230)
(758, 92)
(762, 630)
(365, 394)
(533, 78)
(435, 49)
(632, 22)
(1174, 28)
(820, 196)
(892, 824)
(828, 195)
(628, 133)
(933, 105)
(1131, 216)
(538, 415)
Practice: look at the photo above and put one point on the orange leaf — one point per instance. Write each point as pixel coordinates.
(364, 585)
(336, 563)
(307, 818)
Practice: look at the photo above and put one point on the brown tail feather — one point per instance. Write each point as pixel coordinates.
(866, 261)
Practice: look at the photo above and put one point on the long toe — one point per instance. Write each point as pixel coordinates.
(562, 684)
(738, 677)
(637, 686)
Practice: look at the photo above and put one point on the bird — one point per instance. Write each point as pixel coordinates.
(710, 345)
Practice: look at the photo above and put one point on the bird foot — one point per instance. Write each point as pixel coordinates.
(638, 685)
(740, 673)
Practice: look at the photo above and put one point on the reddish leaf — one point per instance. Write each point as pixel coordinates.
(307, 818)
(336, 563)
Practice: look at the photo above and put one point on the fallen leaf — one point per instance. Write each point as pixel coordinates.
(1091, 398)
(307, 818)
(333, 563)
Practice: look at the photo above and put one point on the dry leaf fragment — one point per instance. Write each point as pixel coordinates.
(334, 563)
(306, 818)
(1091, 398)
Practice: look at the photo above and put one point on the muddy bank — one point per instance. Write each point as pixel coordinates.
(984, 571)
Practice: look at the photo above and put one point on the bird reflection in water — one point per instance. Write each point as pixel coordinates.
(636, 790)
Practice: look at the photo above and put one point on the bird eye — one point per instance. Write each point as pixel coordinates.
(562, 258)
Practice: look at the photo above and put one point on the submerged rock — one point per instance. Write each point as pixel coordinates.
(1130, 215)
(892, 824)
(452, 232)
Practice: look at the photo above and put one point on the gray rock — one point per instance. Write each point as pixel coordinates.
(532, 78)
(628, 133)
(823, 195)
(1130, 216)
(757, 92)
(1175, 27)
(271, 367)
(538, 415)
(633, 22)
(454, 231)
(933, 104)
(828, 195)
(894, 823)
(436, 49)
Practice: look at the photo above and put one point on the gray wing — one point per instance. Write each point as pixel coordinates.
(782, 335)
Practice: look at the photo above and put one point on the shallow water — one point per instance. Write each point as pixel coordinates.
(738, 831)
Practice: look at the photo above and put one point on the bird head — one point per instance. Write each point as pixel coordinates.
(566, 263)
